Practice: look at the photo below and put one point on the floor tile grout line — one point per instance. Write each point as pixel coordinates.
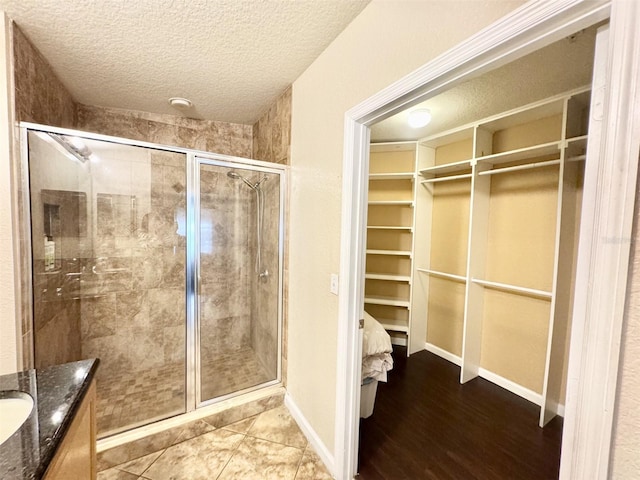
(303, 450)
(151, 464)
(300, 462)
(235, 450)
(244, 435)
(277, 443)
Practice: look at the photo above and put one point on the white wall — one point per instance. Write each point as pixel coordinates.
(8, 333)
(388, 40)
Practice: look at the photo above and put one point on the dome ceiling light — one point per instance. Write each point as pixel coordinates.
(419, 118)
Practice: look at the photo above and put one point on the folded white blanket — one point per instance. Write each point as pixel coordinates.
(377, 366)
(376, 350)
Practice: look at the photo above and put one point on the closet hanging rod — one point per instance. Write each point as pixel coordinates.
(436, 273)
(387, 227)
(576, 158)
(526, 166)
(513, 288)
(444, 179)
(581, 138)
(407, 203)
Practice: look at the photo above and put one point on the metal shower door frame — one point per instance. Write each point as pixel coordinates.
(194, 367)
(193, 160)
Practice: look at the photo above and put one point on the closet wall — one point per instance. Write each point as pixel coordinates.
(497, 208)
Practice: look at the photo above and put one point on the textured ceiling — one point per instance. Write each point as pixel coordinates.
(559, 67)
(232, 58)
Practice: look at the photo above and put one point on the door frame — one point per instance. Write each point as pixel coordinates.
(607, 217)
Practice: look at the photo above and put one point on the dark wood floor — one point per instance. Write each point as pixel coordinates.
(426, 425)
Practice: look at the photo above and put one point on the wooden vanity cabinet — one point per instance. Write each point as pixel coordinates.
(76, 457)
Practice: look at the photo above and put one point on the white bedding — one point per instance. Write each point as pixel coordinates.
(376, 350)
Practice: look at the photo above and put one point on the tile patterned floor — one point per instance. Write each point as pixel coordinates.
(230, 372)
(134, 399)
(142, 397)
(267, 446)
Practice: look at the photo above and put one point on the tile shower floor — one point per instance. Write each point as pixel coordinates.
(137, 398)
(263, 447)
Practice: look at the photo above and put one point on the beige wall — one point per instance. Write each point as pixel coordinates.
(626, 434)
(386, 41)
(8, 343)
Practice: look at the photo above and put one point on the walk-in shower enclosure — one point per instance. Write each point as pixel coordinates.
(165, 263)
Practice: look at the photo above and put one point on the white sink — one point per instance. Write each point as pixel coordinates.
(15, 407)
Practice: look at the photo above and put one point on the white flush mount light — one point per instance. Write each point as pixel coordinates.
(180, 103)
(419, 118)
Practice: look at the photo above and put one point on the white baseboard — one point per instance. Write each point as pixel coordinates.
(430, 347)
(318, 445)
(513, 387)
(497, 379)
(557, 408)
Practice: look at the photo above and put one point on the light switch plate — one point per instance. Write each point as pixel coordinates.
(333, 288)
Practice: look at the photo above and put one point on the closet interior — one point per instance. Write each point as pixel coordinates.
(472, 239)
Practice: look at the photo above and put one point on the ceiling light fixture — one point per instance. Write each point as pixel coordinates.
(419, 118)
(180, 103)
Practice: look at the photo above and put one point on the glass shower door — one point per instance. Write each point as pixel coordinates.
(108, 243)
(240, 258)
(166, 266)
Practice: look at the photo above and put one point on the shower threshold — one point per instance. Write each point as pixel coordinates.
(236, 408)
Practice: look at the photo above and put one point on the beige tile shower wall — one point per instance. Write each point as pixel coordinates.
(264, 328)
(218, 137)
(272, 133)
(272, 143)
(227, 208)
(40, 96)
(133, 308)
(58, 181)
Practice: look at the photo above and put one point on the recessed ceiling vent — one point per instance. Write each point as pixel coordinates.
(180, 103)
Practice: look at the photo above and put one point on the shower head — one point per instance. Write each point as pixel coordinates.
(237, 176)
(260, 182)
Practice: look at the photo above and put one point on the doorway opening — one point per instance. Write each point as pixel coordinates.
(522, 32)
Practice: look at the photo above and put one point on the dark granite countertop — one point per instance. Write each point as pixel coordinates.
(57, 393)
